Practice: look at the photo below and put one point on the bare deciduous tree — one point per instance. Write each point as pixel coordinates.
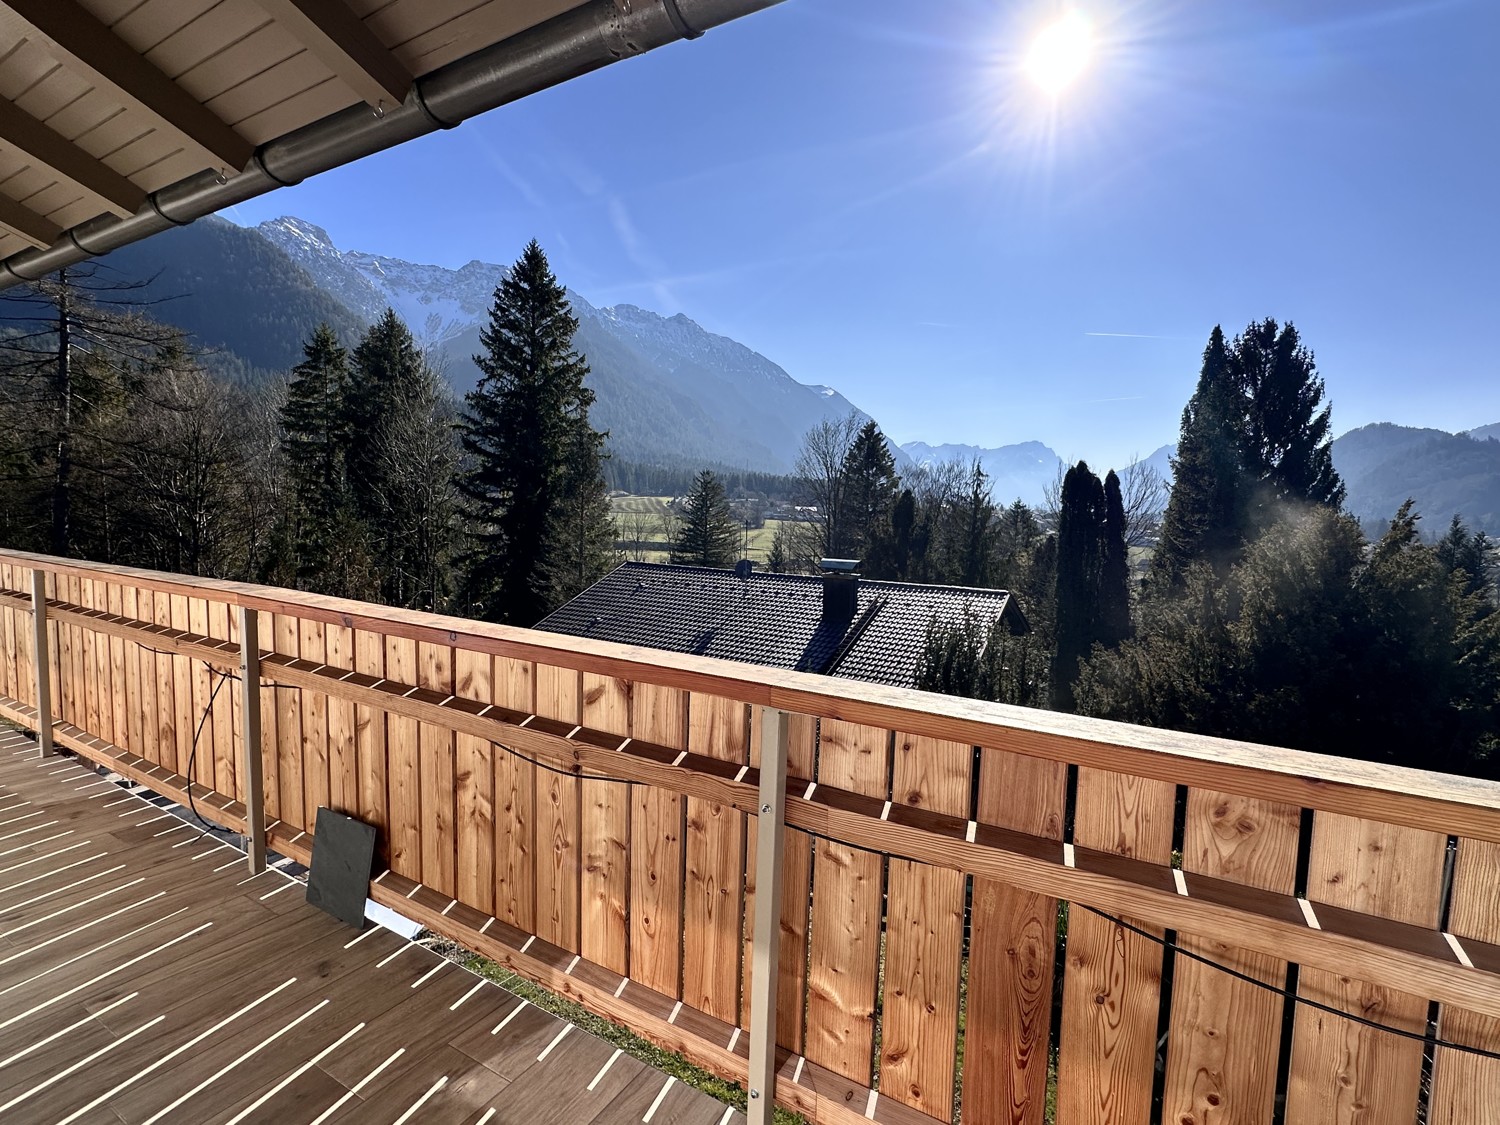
(820, 470)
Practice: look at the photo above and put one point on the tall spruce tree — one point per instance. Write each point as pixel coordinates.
(386, 365)
(707, 534)
(326, 536)
(1114, 574)
(1205, 512)
(1255, 436)
(869, 493)
(582, 530)
(529, 448)
(1286, 444)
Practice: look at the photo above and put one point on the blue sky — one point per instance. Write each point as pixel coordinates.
(873, 195)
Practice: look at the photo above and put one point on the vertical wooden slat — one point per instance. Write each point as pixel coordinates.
(847, 886)
(270, 723)
(474, 790)
(605, 828)
(713, 897)
(659, 715)
(150, 677)
(42, 696)
(516, 842)
(1112, 987)
(557, 815)
(201, 687)
(185, 717)
(439, 862)
(118, 681)
(11, 672)
(1465, 1087)
(312, 647)
(166, 692)
(369, 741)
(924, 936)
(1012, 943)
(130, 607)
(343, 763)
(54, 657)
(1225, 1036)
(287, 641)
(1343, 1073)
(89, 643)
(403, 768)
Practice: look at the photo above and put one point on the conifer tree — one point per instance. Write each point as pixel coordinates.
(1255, 435)
(1204, 513)
(582, 529)
(326, 536)
(532, 459)
(1285, 443)
(1114, 575)
(1080, 564)
(386, 365)
(869, 493)
(706, 534)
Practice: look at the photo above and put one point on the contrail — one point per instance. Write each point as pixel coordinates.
(1135, 336)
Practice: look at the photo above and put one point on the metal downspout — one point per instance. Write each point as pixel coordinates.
(574, 43)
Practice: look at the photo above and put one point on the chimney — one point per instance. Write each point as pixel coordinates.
(840, 589)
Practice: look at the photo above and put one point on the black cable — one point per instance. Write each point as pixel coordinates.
(1430, 1040)
(224, 678)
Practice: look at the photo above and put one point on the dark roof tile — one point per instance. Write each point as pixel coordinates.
(775, 620)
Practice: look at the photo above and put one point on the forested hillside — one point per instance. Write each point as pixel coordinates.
(1445, 474)
(239, 298)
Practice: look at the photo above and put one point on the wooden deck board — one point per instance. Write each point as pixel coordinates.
(144, 976)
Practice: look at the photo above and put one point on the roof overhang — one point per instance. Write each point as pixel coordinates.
(119, 120)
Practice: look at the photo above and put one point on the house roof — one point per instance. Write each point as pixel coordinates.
(775, 620)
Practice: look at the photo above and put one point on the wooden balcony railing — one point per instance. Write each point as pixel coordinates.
(587, 814)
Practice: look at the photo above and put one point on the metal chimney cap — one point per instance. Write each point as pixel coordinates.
(840, 566)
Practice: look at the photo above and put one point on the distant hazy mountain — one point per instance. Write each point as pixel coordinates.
(1446, 474)
(1485, 433)
(667, 388)
(1024, 470)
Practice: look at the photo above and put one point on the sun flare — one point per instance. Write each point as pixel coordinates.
(1060, 53)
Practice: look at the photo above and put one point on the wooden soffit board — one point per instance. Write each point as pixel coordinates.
(104, 101)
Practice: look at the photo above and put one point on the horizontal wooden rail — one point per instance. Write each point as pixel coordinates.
(1279, 925)
(1397, 795)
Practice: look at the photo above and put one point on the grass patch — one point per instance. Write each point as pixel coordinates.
(667, 1062)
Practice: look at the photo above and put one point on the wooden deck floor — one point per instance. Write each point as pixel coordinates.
(144, 978)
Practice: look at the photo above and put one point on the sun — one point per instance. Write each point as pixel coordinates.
(1060, 53)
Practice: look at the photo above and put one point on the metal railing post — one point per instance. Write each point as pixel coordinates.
(770, 845)
(42, 660)
(255, 801)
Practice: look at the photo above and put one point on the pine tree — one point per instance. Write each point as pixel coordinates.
(532, 456)
(582, 529)
(326, 536)
(1285, 444)
(1114, 575)
(1255, 435)
(386, 364)
(869, 493)
(1205, 512)
(1080, 564)
(707, 534)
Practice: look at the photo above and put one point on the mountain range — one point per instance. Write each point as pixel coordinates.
(667, 390)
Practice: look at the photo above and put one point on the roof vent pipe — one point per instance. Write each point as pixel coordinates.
(840, 589)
